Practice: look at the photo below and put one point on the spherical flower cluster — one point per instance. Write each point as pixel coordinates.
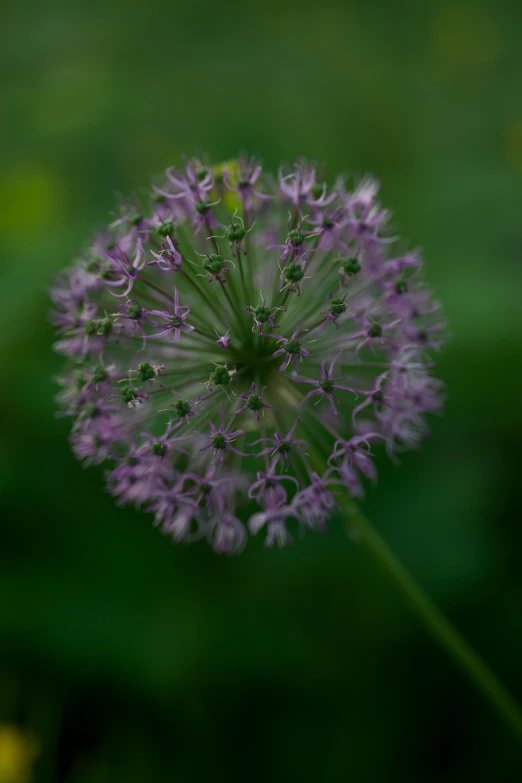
(236, 340)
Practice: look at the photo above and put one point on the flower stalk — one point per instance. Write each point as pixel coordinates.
(435, 622)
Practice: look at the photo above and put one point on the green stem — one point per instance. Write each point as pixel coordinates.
(240, 261)
(202, 293)
(471, 663)
(231, 303)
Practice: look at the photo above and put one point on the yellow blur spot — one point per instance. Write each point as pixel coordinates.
(18, 750)
(29, 199)
(514, 145)
(466, 42)
(231, 201)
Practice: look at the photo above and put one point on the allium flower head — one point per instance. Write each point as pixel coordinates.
(240, 341)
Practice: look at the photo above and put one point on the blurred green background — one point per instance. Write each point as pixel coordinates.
(129, 659)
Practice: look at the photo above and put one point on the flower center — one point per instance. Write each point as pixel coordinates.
(255, 363)
(293, 346)
(255, 403)
(218, 441)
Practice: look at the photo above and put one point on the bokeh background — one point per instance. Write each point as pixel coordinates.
(124, 658)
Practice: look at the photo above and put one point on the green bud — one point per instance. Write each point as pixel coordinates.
(166, 229)
(181, 408)
(158, 449)
(221, 377)
(337, 306)
(145, 372)
(295, 237)
(375, 330)
(99, 373)
(128, 394)
(263, 313)
(351, 267)
(89, 327)
(235, 233)
(134, 311)
(80, 380)
(104, 326)
(202, 207)
(214, 265)
(293, 273)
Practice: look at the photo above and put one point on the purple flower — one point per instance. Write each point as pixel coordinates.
(244, 184)
(174, 510)
(125, 273)
(273, 517)
(399, 399)
(336, 308)
(366, 217)
(292, 350)
(313, 504)
(280, 448)
(330, 224)
(213, 491)
(141, 377)
(69, 319)
(194, 183)
(300, 187)
(169, 258)
(264, 315)
(174, 320)
(136, 479)
(294, 248)
(352, 458)
(254, 402)
(221, 441)
(92, 447)
(136, 318)
(192, 187)
(160, 449)
(223, 341)
(269, 485)
(373, 331)
(226, 534)
(326, 385)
